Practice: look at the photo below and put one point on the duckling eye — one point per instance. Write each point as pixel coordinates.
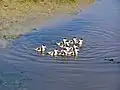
(38, 48)
(64, 38)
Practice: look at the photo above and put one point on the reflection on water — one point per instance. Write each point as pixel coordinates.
(97, 66)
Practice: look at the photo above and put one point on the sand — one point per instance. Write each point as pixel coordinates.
(17, 18)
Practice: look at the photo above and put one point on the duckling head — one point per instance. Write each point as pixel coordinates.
(80, 42)
(43, 47)
(74, 38)
(74, 46)
(60, 44)
(38, 49)
(64, 40)
(71, 42)
(81, 38)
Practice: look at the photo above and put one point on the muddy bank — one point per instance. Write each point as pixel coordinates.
(18, 18)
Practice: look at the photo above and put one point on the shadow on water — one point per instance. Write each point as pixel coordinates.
(96, 67)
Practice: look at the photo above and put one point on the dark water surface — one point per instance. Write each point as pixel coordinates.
(96, 68)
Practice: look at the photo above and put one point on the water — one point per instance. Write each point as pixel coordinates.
(96, 67)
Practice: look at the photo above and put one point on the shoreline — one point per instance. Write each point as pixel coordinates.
(14, 23)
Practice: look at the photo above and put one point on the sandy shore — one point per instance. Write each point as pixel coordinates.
(20, 18)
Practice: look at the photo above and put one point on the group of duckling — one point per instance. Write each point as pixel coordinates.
(65, 47)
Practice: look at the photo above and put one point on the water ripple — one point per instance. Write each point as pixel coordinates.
(97, 63)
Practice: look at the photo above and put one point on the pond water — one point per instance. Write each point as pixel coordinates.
(97, 66)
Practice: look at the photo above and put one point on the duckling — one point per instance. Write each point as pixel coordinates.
(80, 42)
(70, 53)
(63, 52)
(75, 52)
(68, 43)
(75, 40)
(41, 49)
(54, 52)
(51, 53)
(60, 44)
(67, 48)
(64, 40)
(75, 47)
(71, 42)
